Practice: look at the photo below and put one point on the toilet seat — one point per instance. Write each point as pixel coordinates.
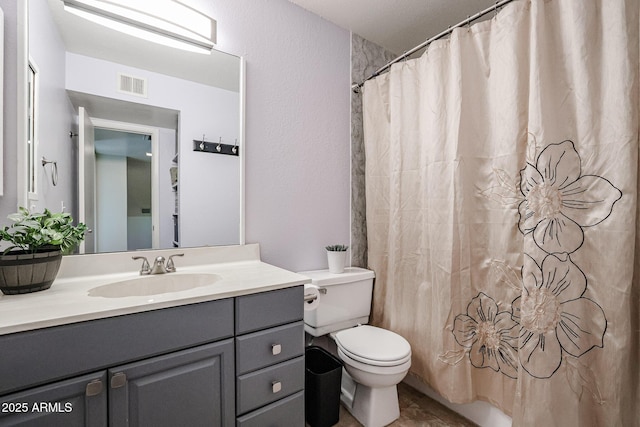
(378, 370)
(373, 346)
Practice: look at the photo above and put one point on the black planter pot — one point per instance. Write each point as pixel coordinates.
(22, 272)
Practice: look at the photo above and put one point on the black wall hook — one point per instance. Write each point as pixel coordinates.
(215, 148)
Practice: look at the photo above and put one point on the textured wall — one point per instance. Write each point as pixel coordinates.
(297, 127)
(366, 58)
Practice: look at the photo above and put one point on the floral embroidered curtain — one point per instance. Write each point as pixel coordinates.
(501, 185)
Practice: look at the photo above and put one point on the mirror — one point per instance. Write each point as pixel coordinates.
(120, 122)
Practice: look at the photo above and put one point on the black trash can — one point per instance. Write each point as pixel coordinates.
(323, 374)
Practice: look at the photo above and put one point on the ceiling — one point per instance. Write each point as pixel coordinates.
(396, 25)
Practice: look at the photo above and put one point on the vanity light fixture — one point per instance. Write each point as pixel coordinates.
(167, 22)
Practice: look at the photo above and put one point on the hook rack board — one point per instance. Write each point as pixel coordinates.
(212, 147)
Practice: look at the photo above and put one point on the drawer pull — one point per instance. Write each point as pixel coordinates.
(276, 386)
(276, 349)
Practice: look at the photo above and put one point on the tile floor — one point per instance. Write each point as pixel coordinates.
(416, 410)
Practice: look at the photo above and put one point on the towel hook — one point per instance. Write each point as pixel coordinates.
(54, 169)
(234, 150)
(202, 143)
(219, 146)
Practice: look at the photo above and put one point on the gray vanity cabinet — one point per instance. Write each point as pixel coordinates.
(154, 368)
(184, 388)
(270, 359)
(236, 361)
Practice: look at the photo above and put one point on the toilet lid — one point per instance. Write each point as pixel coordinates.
(372, 345)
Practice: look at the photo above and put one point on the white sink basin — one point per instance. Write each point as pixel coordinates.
(154, 285)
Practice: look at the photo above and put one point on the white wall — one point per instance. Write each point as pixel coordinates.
(208, 184)
(55, 113)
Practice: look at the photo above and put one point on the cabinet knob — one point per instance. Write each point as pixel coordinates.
(93, 388)
(276, 386)
(276, 349)
(118, 380)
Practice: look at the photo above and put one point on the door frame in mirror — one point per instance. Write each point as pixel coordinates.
(155, 191)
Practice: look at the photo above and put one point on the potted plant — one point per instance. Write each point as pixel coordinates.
(337, 257)
(36, 244)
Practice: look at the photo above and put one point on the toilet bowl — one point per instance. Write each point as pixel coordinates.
(375, 360)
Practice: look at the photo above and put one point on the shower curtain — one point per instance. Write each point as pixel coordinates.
(502, 215)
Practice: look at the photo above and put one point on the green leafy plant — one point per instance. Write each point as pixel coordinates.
(336, 248)
(33, 231)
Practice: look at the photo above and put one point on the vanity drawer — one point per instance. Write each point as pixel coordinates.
(266, 309)
(260, 349)
(267, 385)
(287, 412)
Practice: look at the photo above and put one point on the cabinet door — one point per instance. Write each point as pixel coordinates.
(193, 387)
(77, 402)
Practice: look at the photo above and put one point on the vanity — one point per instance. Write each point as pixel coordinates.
(228, 353)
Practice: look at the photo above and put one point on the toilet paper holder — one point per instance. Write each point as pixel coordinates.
(313, 297)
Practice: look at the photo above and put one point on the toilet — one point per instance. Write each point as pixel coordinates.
(375, 359)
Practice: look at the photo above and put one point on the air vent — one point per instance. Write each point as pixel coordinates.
(132, 85)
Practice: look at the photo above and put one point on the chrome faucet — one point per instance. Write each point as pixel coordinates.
(159, 266)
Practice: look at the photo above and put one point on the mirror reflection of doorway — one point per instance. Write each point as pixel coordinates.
(136, 185)
(124, 217)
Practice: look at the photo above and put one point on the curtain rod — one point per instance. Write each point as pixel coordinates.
(356, 86)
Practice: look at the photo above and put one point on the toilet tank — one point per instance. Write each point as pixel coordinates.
(344, 300)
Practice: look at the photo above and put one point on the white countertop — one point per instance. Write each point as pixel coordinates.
(68, 300)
